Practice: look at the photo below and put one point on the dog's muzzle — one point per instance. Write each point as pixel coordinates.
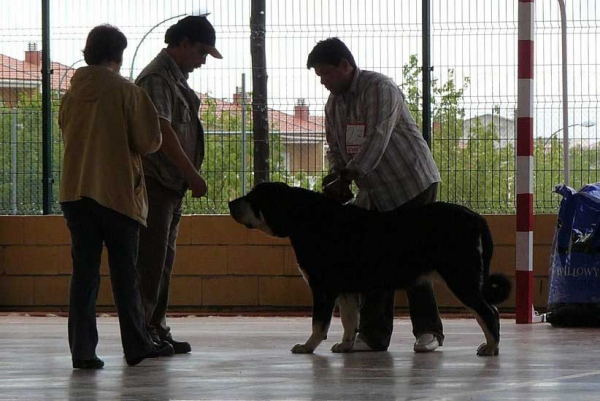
(235, 209)
(238, 209)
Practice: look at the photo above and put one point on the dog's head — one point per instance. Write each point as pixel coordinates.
(274, 208)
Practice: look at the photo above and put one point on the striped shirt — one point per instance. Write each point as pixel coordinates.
(393, 162)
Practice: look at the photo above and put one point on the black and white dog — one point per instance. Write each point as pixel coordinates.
(343, 250)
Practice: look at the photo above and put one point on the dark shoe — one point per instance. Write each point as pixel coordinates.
(180, 347)
(162, 349)
(95, 363)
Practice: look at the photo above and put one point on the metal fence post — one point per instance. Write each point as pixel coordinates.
(565, 89)
(47, 179)
(260, 108)
(13, 160)
(427, 72)
(243, 134)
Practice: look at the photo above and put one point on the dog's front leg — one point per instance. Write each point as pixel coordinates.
(323, 305)
(349, 307)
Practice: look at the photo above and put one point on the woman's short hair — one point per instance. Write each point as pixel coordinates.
(104, 43)
(330, 51)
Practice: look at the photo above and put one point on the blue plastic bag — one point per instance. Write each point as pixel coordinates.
(574, 297)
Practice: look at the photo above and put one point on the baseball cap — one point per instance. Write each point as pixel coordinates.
(196, 29)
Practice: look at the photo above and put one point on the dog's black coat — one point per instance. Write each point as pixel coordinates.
(345, 249)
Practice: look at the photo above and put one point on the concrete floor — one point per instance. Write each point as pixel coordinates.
(248, 358)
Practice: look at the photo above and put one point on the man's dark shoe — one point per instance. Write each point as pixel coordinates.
(162, 349)
(180, 347)
(94, 363)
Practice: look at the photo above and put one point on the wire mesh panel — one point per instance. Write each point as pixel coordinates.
(582, 64)
(20, 109)
(474, 58)
(381, 34)
(474, 130)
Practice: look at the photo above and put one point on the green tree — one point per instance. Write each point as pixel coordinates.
(477, 167)
(475, 170)
(222, 167)
(21, 155)
(549, 170)
(487, 177)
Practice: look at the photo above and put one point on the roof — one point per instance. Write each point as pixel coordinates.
(289, 123)
(282, 122)
(13, 72)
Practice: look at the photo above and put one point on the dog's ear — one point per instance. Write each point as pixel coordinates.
(283, 208)
(272, 203)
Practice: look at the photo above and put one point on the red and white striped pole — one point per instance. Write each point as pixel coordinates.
(524, 240)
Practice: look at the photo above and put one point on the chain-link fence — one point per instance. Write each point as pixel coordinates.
(474, 88)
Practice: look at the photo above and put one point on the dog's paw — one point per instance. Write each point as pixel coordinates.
(301, 349)
(486, 349)
(346, 346)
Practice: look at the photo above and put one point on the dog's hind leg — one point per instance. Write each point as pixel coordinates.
(323, 305)
(349, 306)
(469, 292)
(491, 329)
(489, 320)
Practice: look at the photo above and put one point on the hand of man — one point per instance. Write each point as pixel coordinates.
(197, 185)
(334, 187)
(348, 175)
(329, 178)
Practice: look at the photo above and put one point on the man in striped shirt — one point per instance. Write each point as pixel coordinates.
(374, 142)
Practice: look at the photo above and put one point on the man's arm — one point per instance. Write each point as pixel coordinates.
(333, 186)
(334, 156)
(143, 123)
(171, 147)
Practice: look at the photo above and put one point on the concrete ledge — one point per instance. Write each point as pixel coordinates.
(220, 264)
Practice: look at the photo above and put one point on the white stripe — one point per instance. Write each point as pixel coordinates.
(526, 21)
(525, 96)
(524, 254)
(524, 174)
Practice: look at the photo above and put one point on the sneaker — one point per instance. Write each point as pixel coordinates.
(94, 363)
(162, 349)
(180, 347)
(360, 345)
(426, 343)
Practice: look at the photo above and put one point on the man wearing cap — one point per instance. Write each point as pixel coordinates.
(174, 169)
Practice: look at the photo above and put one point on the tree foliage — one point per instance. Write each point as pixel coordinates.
(21, 155)
(224, 168)
(477, 167)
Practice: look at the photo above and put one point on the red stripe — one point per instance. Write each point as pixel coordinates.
(525, 59)
(525, 136)
(524, 297)
(524, 212)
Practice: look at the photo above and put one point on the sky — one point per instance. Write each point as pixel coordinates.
(475, 38)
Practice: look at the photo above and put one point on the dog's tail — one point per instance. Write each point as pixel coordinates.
(496, 287)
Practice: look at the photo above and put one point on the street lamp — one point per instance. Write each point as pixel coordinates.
(65, 73)
(565, 88)
(201, 14)
(584, 124)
